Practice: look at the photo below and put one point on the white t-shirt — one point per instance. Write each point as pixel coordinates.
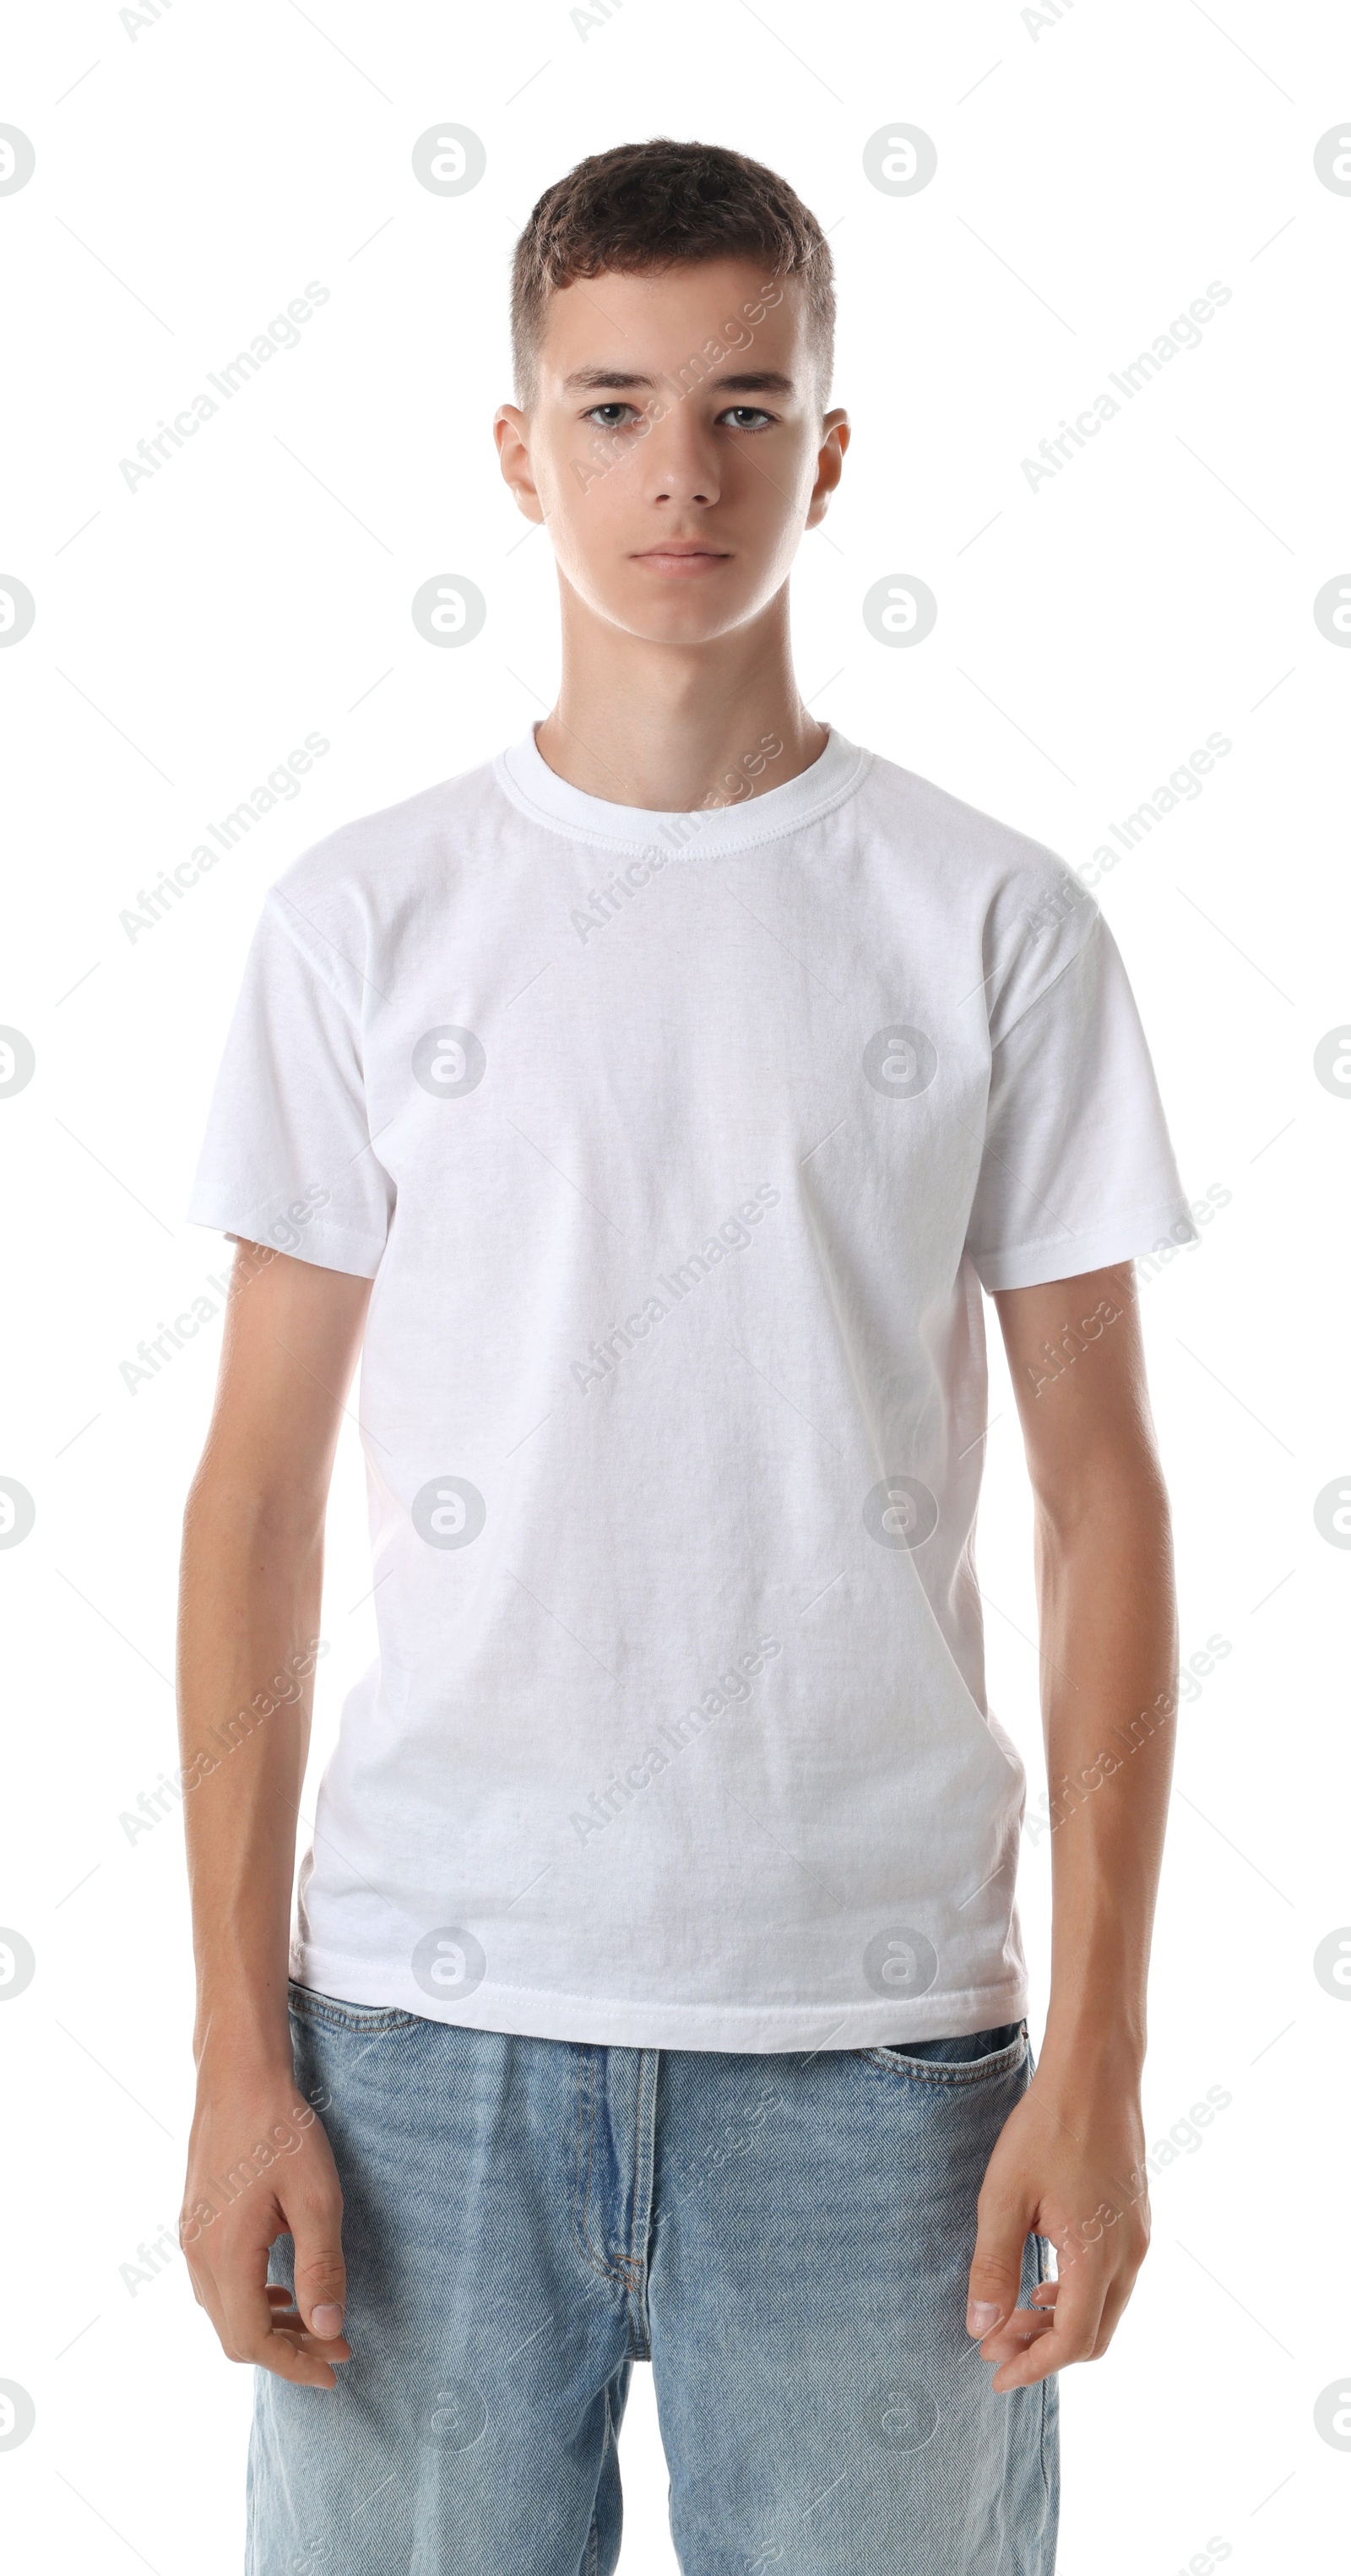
(679, 1148)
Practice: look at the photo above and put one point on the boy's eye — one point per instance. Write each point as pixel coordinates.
(618, 415)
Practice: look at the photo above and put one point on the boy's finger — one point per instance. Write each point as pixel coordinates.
(1024, 2327)
(245, 2323)
(243, 2312)
(1112, 2306)
(1073, 2336)
(320, 2273)
(996, 2266)
(288, 2322)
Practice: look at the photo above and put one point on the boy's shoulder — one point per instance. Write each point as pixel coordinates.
(394, 843)
(914, 816)
(948, 836)
(960, 879)
(971, 885)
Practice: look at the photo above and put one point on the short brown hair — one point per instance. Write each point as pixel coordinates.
(644, 207)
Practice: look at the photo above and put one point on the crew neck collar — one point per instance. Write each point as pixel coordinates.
(536, 790)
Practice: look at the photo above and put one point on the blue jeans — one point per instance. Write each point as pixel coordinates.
(784, 2238)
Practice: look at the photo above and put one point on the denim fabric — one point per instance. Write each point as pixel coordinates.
(784, 2238)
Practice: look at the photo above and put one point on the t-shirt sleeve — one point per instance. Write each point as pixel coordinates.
(288, 1158)
(1077, 1170)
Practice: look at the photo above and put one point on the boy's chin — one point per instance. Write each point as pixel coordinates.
(677, 616)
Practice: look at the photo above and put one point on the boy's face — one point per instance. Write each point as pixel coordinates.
(676, 445)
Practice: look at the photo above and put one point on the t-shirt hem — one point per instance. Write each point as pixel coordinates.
(326, 1247)
(720, 2029)
(1128, 1236)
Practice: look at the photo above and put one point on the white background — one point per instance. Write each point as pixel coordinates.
(1094, 175)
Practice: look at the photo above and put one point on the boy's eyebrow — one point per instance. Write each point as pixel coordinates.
(588, 379)
(760, 380)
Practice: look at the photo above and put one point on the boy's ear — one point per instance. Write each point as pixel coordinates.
(829, 464)
(511, 431)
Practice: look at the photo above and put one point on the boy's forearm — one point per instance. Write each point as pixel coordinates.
(248, 1638)
(1109, 1643)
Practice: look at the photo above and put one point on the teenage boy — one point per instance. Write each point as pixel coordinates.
(651, 1107)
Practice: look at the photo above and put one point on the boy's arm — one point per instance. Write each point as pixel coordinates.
(259, 2164)
(1069, 2163)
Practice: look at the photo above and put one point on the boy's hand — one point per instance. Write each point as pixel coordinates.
(259, 2167)
(1069, 2165)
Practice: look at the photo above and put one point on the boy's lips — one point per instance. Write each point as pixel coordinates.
(682, 562)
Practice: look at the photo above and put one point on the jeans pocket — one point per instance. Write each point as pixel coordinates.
(977, 2057)
(334, 2012)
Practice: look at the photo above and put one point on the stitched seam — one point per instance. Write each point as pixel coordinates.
(638, 2337)
(1115, 1217)
(386, 2018)
(960, 1997)
(637, 2150)
(1081, 951)
(951, 2079)
(913, 2070)
(583, 2192)
(570, 829)
(583, 2184)
(583, 2174)
(625, 2268)
(274, 901)
(219, 1195)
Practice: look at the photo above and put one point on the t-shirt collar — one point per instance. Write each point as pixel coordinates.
(537, 791)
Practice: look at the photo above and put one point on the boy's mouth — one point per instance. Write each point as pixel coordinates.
(682, 559)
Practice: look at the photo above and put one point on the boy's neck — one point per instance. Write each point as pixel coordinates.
(673, 728)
